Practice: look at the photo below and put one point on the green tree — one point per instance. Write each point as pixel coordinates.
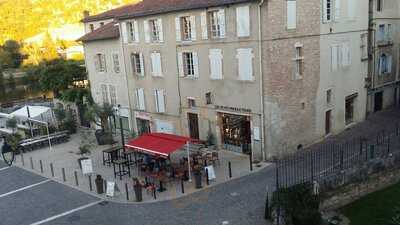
(11, 82)
(102, 112)
(2, 85)
(13, 49)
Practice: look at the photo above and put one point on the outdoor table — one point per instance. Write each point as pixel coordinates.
(122, 169)
(109, 155)
(128, 156)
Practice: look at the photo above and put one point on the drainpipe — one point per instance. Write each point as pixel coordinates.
(264, 155)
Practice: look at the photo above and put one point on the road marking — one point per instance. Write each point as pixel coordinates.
(24, 188)
(4, 168)
(67, 213)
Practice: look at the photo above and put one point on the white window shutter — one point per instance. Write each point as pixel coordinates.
(204, 28)
(156, 64)
(216, 64)
(389, 64)
(96, 63)
(345, 54)
(338, 9)
(141, 99)
(245, 63)
(156, 100)
(196, 64)
(137, 99)
(136, 27)
(146, 31)
(193, 27)
(221, 20)
(161, 101)
(124, 32)
(160, 29)
(325, 11)
(334, 57)
(104, 62)
(178, 28)
(291, 14)
(243, 21)
(141, 64)
(351, 9)
(180, 64)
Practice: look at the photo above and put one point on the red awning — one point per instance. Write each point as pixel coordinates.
(159, 144)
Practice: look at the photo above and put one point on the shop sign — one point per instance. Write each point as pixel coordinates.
(233, 109)
(87, 167)
(142, 115)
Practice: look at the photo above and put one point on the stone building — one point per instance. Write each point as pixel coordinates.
(264, 77)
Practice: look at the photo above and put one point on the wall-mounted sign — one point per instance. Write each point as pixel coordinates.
(143, 115)
(233, 109)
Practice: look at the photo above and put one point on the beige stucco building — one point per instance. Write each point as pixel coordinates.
(263, 77)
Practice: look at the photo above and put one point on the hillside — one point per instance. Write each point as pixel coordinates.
(23, 19)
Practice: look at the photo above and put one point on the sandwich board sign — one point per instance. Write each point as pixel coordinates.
(110, 189)
(211, 172)
(87, 166)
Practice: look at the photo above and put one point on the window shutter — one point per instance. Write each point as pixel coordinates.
(291, 14)
(338, 9)
(160, 29)
(334, 57)
(380, 66)
(156, 64)
(124, 32)
(195, 64)
(135, 24)
(104, 62)
(245, 63)
(221, 20)
(243, 21)
(96, 63)
(146, 31)
(215, 64)
(204, 29)
(160, 101)
(351, 10)
(389, 64)
(325, 11)
(156, 100)
(180, 64)
(178, 28)
(141, 64)
(193, 27)
(141, 99)
(345, 54)
(137, 99)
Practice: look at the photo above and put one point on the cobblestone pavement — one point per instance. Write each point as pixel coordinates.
(240, 201)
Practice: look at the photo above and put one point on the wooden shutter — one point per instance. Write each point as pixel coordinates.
(180, 65)
(338, 9)
(156, 64)
(178, 28)
(124, 32)
(160, 102)
(136, 27)
(137, 99)
(291, 14)
(243, 21)
(204, 28)
(160, 30)
(345, 54)
(146, 31)
(193, 27)
(216, 64)
(141, 64)
(141, 99)
(195, 64)
(221, 21)
(245, 63)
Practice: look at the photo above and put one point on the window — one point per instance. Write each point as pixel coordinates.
(159, 100)
(117, 66)
(245, 64)
(100, 62)
(216, 65)
(291, 17)
(153, 30)
(140, 103)
(208, 98)
(156, 69)
(104, 94)
(113, 95)
(243, 21)
(388, 34)
(364, 46)
(191, 102)
(340, 56)
(327, 11)
(298, 60)
(133, 31)
(217, 23)
(188, 64)
(379, 5)
(332, 10)
(385, 64)
(349, 108)
(186, 28)
(137, 64)
(381, 32)
(91, 26)
(329, 96)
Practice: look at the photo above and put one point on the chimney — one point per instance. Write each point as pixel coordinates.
(86, 13)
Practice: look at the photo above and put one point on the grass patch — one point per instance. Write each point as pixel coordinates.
(374, 209)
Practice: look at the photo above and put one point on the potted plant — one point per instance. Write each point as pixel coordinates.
(103, 113)
(197, 176)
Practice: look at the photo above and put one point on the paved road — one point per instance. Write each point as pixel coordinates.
(26, 199)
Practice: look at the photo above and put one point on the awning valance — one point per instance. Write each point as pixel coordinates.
(159, 144)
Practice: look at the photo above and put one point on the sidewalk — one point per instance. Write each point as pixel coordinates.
(64, 156)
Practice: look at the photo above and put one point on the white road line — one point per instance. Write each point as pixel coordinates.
(24, 188)
(66, 213)
(4, 168)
